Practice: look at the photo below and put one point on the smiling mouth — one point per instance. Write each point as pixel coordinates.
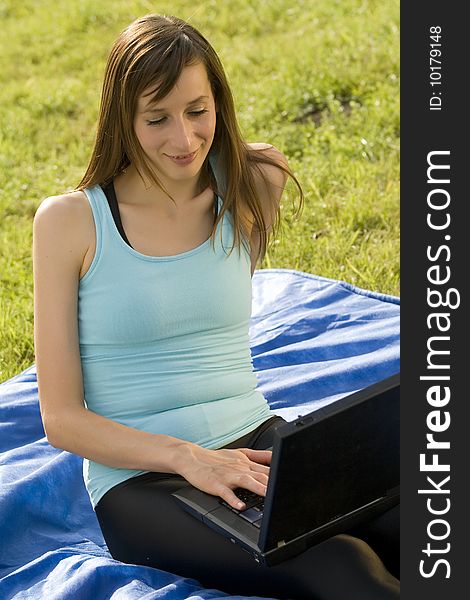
(181, 156)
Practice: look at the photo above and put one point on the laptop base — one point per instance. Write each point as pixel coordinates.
(229, 524)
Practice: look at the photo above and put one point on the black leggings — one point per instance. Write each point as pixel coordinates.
(142, 524)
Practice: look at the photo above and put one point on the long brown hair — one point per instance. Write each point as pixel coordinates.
(152, 51)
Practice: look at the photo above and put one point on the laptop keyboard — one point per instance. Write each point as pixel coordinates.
(253, 513)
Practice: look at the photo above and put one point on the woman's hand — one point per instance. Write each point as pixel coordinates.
(219, 472)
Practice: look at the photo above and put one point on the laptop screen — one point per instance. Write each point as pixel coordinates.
(336, 460)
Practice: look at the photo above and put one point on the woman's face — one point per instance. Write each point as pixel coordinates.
(177, 132)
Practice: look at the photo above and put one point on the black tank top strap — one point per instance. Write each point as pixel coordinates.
(110, 194)
(216, 207)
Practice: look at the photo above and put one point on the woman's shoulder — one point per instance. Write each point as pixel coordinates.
(264, 149)
(70, 209)
(65, 206)
(259, 145)
(272, 171)
(68, 218)
(270, 176)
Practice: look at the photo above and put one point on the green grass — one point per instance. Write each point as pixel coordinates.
(318, 79)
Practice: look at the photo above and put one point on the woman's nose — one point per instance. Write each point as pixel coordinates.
(182, 137)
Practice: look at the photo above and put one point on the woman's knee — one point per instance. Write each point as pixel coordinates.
(361, 568)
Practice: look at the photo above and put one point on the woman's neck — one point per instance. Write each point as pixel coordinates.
(131, 187)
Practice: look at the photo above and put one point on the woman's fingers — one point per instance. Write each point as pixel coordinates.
(230, 498)
(255, 468)
(262, 457)
(254, 482)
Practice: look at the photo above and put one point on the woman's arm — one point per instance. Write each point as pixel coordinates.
(269, 191)
(63, 233)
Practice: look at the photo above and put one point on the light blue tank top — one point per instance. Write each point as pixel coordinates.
(164, 342)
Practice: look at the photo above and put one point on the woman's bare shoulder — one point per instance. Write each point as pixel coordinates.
(267, 149)
(260, 145)
(273, 174)
(68, 219)
(71, 209)
(63, 206)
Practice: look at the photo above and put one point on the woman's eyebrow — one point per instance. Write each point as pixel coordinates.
(156, 110)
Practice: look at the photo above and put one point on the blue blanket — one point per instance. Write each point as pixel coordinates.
(313, 341)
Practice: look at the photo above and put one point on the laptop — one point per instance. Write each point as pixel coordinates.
(331, 469)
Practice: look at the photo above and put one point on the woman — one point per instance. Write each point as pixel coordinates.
(142, 305)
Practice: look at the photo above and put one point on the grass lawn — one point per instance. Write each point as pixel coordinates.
(319, 79)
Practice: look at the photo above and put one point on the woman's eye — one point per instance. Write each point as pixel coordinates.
(156, 121)
(193, 113)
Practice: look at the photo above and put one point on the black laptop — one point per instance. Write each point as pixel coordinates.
(331, 469)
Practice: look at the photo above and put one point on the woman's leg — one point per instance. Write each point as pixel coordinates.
(383, 535)
(142, 524)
